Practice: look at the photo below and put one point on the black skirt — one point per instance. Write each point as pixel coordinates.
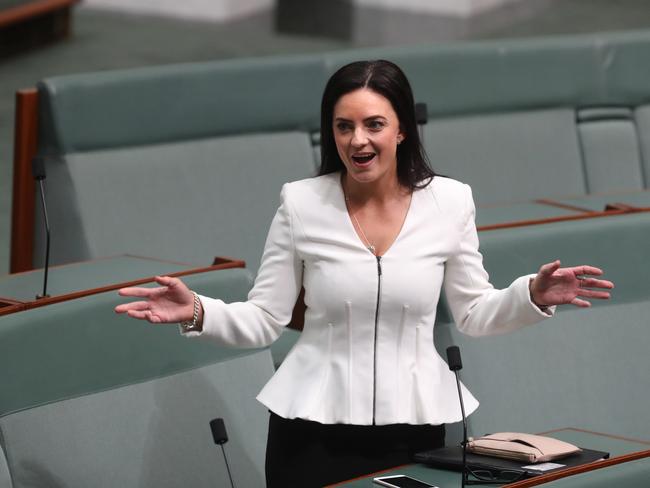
(304, 454)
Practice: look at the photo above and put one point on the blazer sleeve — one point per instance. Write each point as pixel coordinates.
(477, 307)
(260, 320)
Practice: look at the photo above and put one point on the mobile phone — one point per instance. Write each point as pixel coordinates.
(401, 481)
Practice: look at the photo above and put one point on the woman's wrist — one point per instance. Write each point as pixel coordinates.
(195, 323)
(531, 290)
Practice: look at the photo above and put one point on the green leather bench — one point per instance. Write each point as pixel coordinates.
(92, 398)
(583, 368)
(200, 150)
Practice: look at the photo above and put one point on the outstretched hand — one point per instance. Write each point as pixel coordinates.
(171, 302)
(556, 286)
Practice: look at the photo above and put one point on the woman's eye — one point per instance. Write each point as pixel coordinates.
(375, 125)
(343, 126)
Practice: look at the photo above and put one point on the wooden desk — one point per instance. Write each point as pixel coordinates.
(66, 282)
(621, 450)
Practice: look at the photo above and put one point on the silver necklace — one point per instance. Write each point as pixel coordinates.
(368, 244)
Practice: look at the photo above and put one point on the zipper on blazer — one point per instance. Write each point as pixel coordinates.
(374, 358)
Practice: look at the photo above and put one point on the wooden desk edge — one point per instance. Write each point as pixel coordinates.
(235, 263)
(545, 478)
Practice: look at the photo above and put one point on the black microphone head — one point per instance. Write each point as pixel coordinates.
(218, 428)
(453, 358)
(38, 168)
(421, 116)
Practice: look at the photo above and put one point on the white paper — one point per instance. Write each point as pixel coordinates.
(544, 466)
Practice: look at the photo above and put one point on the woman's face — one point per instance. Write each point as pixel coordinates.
(367, 132)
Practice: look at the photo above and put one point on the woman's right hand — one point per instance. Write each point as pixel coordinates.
(171, 302)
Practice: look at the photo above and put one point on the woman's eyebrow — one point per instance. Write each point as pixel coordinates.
(372, 117)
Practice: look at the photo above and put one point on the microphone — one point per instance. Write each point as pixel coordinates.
(38, 171)
(455, 365)
(219, 435)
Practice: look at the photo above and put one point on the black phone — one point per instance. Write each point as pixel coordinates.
(401, 481)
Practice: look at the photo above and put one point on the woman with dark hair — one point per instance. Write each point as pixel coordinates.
(373, 240)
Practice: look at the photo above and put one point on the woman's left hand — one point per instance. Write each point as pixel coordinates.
(555, 286)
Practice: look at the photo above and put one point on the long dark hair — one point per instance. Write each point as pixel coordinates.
(388, 80)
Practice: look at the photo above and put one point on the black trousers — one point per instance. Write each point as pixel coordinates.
(305, 454)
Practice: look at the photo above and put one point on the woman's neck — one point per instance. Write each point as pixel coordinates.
(379, 192)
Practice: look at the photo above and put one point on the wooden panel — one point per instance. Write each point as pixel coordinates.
(32, 9)
(22, 216)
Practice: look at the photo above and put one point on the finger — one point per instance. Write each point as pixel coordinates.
(550, 268)
(137, 291)
(580, 303)
(164, 280)
(125, 307)
(587, 270)
(139, 314)
(594, 283)
(601, 295)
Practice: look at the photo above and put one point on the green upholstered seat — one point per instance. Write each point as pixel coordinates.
(616, 244)
(91, 398)
(510, 156)
(135, 107)
(610, 148)
(183, 201)
(583, 368)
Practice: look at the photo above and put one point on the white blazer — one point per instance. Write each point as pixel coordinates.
(366, 354)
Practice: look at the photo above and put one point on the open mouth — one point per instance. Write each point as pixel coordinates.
(363, 158)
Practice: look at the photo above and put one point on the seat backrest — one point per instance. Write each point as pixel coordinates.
(509, 156)
(183, 201)
(610, 149)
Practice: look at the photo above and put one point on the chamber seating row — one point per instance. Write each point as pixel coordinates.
(90, 398)
(186, 161)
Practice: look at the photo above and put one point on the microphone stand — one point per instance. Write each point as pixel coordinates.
(38, 169)
(462, 410)
(455, 364)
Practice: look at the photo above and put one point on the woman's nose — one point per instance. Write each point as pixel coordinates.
(359, 138)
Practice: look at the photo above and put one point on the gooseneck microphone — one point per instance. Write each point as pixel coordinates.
(455, 364)
(38, 171)
(218, 428)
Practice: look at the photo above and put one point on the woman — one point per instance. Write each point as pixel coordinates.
(373, 240)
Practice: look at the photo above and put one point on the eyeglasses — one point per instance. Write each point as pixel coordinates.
(488, 477)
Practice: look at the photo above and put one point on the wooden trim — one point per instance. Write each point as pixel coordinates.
(35, 8)
(22, 211)
(553, 203)
(566, 218)
(94, 291)
(12, 309)
(545, 478)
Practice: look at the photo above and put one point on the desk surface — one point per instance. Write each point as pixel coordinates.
(68, 278)
(616, 446)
